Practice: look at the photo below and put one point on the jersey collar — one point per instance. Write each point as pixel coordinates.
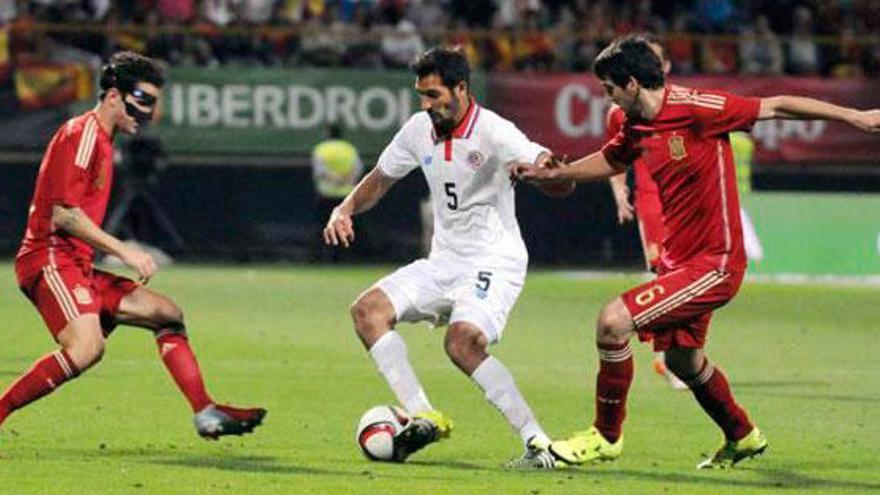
(465, 128)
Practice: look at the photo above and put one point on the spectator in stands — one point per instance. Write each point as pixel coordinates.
(803, 54)
(848, 55)
(176, 11)
(401, 45)
(760, 49)
(716, 16)
(533, 49)
(323, 42)
(8, 11)
(680, 45)
(427, 14)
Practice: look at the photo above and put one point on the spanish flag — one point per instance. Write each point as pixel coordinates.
(52, 85)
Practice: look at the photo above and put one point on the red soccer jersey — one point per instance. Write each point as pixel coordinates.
(686, 150)
(77, 170)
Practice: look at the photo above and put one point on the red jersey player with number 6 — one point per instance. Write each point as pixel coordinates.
(681, 135)
(82, 305)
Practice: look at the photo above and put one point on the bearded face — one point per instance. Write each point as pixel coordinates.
(445, 106)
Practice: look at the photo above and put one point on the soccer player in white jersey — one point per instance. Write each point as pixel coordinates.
(477, 265)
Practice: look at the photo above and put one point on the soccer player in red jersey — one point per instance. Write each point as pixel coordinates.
(682, 136)
(80, 304)
(647, 211)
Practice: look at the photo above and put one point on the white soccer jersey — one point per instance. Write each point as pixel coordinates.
(471, 194)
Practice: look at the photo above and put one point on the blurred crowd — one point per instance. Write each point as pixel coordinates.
(836, 38)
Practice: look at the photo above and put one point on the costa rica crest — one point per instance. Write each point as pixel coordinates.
(475, 159)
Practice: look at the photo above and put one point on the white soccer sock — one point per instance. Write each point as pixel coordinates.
(501, 391)
(389, 354)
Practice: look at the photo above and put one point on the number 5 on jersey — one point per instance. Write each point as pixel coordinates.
(484, 280)
(450, 193)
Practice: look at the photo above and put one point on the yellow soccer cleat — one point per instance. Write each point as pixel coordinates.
(586, 446)
(731, 452)
(441, 422)
(424, 429)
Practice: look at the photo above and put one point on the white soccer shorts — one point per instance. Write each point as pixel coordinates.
(443, 293)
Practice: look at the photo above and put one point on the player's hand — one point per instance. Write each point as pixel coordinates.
(867, 120)
(549, 160)
(526, 172)
(625, 210)
(141, 262)
(339, 229)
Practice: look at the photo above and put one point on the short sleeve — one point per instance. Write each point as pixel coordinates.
(719, 112)
(512, 145)
(68, 168)
(398, 158)
(622, 148)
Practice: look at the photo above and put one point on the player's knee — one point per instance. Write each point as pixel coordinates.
(613, 325)
(684, 363)
(462, 342)
(168, 314)
(85, 351)
(368, 314)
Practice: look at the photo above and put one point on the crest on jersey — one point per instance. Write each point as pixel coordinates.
(475, 159)
(676, 148)
(100, 181)
(427, 159)
(82, 295)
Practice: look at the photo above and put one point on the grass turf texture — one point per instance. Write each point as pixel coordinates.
(802, 359)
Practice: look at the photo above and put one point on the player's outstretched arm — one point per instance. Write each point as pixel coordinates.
(76, 223)
(365, 195)
(625, 210)
(803, 108)
(587, 169)
(556, 189)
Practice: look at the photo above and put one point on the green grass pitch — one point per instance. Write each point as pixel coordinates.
(804, 360)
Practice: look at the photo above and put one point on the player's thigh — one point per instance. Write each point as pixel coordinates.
(416, 292)
(61, 295)
(146, 308)
(485, 297)
(681, 300)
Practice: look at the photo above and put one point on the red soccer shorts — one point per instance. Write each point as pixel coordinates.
(64, 293)
(675, 308)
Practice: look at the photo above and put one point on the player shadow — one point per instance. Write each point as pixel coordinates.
(781, 384)
(773, 478)
(247, 464)
(459, 465)
(160, 455)
(748, 387)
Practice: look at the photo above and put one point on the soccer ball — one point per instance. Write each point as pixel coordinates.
(377, 429)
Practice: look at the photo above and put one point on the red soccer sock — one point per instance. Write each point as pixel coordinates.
(712, 391)
(181, 363)
(47, 374)
(612, 386)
